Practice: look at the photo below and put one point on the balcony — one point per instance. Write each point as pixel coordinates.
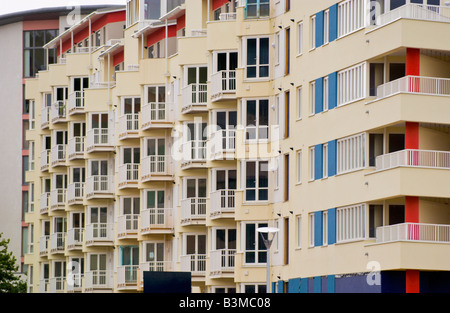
(76, 283)
(44, 203)
(43, 245)
(154, 266)
(45, 117)
(76, 102)
(222, 203)
(75, 238)
(127, 276)
(156, 220)
(99, 234)
(193, 211)
(194, 263)
(128, 175)
(45, 160)
(56, 284)
(223, 144)
(127, 225)
(227, 16)
(157, 115)
(58, 199)
(157, 167)
(193, 153)
(222, 263)
(413, 158)
(129, 126)
(44, 286)
(58, 155)
(194, 98)
(415, 85)
(223, 85)
(76, 148)
(59, 112)
(99, 186)
(57, 242)
(97, 279)
(75, 193)
(99, 139)
(434, 233)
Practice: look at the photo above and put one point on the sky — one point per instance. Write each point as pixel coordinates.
(11, 6)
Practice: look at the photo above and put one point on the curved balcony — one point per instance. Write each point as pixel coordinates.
(58, 199)
(157, 167)
(58, 155)
(75, 193)
(59, 111)
(76, 102)
(45, 117)
(156, 220)
(127, 226)
(129, 126)
(414, 158)
(223, 85)
(76, 148)
(128, 175)
(193, 211)
(157, 115)
(45, 160)
(99, 186)
(194, 98)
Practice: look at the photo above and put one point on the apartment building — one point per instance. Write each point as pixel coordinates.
(168, 133)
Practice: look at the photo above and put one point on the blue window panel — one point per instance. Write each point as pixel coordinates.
(332, 90)
(317, 284)
(333, 29)
(294, 285)
(324, 284)
(304, 282)
(332, 158)
(274, 287)
(319, 28)
(310, 285)
(318, 161)
(331, 283)
(280, 286)
(318, 232)
(318, 105)
(332, 226)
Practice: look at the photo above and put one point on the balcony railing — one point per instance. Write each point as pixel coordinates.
(422, 12)
(194, 98)
(223, 142)
(75, 238)
(157, 115)
(45, 202)
(75, 192)
(59, 111)
(57, 198)
(45, 116)
(126, 275)
(43, 245)
(194, 263)
(76, 148)
(98, 138)
(156, 165)
(223, 82)
(76, 102)
(413, 158)
(194, 151)
(193, 209)
(97, 279)
(45, 159)
(156, 266)
(99, 185)
(57, 242)
(58, 154)
(222, 201)
(98, 232)
(57, 284)
(44, 285)
(75, 283)
(227, 16)
(156, 219)
(128, 173)
(416, 85)
(436, 233)
(127, 224)
(222, 260)
(128, 125)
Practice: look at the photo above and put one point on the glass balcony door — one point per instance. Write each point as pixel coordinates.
(130, 261)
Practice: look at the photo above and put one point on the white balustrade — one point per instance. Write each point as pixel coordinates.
(416, 85)
(413, 158)
(437, 233)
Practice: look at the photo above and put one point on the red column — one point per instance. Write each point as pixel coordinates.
(412, 281)
(413, 68)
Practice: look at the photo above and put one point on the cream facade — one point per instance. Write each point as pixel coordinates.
(170, 131)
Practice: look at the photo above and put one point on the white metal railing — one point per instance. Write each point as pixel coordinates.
(59, 110)
(99, 184)
(45, 202)
(222, 82)
(58, 154)
(222, 140)
(62, 60)
(45, 116)
(413, 158)
(193, 208)
(57, 284)
(156, 165)
(194, 95)
(97, 137)
(44, 285)
(415, 84)
(223, 200)
(227, 16)
(127, 223)
(199, 32)
(128, 123)
(154, 112)
(437, 233)
(45, 159)
(75, 237)
(97, 279)
(222, 260)
(156, 218)
(57, 241)
(43, 245)
(194, 263)
(75, 283)
(133, 67)
(76, 147)
(194, 150)
(58, 197)
(75, 191)
(76, 101)
(417, 12)
(127, 274)
(99, 232)
(128, 173)
(155, 266)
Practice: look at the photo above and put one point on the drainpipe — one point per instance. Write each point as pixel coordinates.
(109, 78)
(90, 44)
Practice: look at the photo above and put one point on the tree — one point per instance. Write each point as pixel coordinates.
(9, 281)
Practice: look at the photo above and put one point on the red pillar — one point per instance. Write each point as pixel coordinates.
(412, 61)
(412, 281)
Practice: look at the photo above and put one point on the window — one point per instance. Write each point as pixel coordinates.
(312, 163)
(352, 84)
(375, 218)
(257, 57)
(257, 8)
(257, 181)
(325, 227)
(154, 256)
(326, 22)
(299, 166)
(34, 55)
(255, 249)
(287, 68)
(312, 33)
(32, 114)
(31, 155)
(300, 38)
(351, 16)
(257, 119)
(311, 229)
(312, 98)
(350, 223)
(325, 94)
(325, 160)
(254, 288)
(351, 153)
(299, 231)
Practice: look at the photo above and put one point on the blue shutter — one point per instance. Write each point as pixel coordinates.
(333, 22)
(331, 283)
(318, 105)
(319, 29)
(280, 286)
(318, 232)
(331, 226)
(317, 284)
(332, 158)
(304, 282)
(274, 289)
(332, 90)
(318, 161)
(294, 285)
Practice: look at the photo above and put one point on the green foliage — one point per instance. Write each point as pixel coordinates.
(9, 281)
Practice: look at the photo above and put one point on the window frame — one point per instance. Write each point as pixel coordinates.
(258, 65)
